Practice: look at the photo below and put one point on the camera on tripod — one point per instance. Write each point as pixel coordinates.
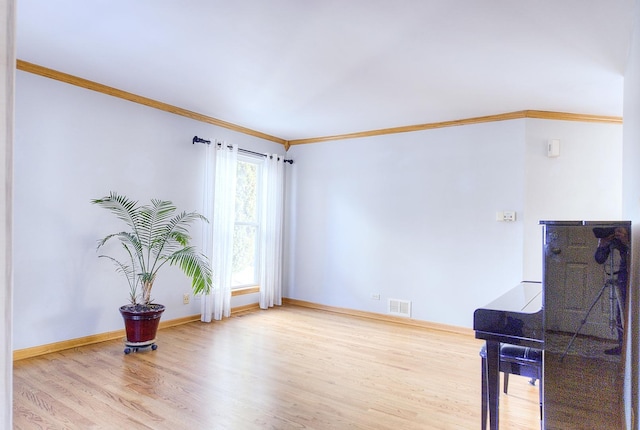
(604, 252)
(602, 232)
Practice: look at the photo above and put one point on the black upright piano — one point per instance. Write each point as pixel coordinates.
(576, 316)
(515, 318)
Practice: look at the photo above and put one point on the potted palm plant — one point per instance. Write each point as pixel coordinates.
(156, 235)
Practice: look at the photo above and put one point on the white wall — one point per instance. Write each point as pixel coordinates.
(583, 183)
(409, 216)
(412, 216)
(7, 74)
(73, 145)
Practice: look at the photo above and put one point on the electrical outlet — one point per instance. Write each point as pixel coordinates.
(508, 216)
(185, 299)
(375, 296)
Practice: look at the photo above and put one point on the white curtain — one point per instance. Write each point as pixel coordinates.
(221, 167)
(272, 232)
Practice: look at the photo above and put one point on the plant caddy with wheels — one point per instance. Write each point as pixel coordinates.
(156, 235)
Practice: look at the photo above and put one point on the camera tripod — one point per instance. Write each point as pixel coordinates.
(614, 304)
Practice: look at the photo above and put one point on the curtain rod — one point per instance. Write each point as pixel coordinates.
(197, 139)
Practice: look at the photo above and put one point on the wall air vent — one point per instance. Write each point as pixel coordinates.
(400, 308)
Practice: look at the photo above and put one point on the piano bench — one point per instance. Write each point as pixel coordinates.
(514, 360)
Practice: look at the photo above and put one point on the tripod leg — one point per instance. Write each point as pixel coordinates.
(620, 305)
(584, 321)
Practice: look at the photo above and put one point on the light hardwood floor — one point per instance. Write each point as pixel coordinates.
(285, 368)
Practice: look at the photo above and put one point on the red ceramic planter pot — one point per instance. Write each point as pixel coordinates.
(141, 322)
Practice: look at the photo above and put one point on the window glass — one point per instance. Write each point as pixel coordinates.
(246, 192)
(246, 256)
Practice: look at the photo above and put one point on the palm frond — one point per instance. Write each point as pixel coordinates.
(194, 265)
(129, 273)
(154, 219)
(122, 207)
(173, 234)
(158, 236)
(131, 242)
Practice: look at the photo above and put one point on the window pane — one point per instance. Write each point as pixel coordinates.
(244, 255)
(247, 192)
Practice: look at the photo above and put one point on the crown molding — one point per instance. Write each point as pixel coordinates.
(560, 116)
(94, 86)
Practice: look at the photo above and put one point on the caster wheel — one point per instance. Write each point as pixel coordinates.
(127, 350)
(154, 347)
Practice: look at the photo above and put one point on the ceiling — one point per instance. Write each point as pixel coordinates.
(299, 69)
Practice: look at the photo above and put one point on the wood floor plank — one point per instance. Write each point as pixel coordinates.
(285, 368)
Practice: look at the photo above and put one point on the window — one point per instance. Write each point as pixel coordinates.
(246, 249)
